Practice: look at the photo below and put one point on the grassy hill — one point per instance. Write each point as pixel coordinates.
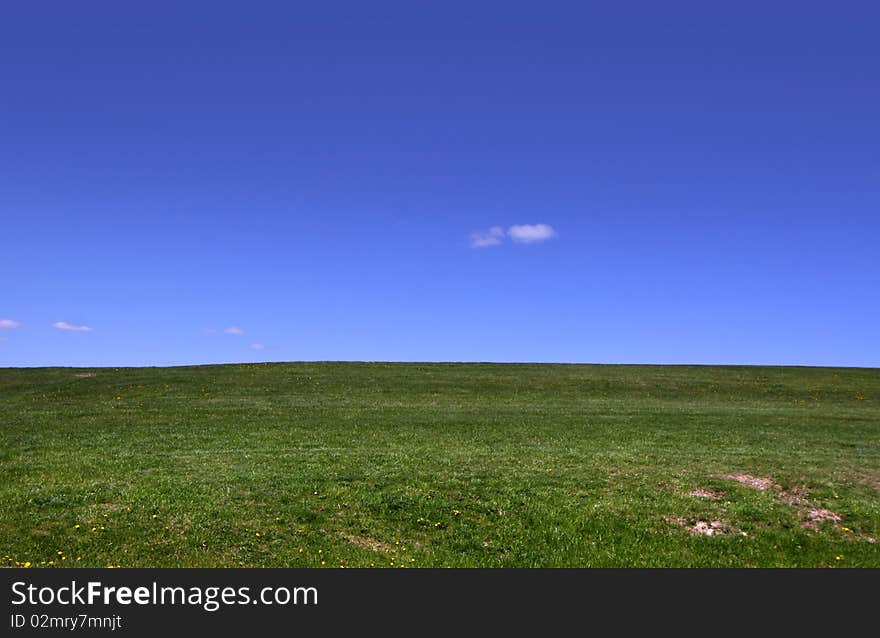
(425, 465)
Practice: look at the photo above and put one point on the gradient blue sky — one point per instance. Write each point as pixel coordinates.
(313, 174)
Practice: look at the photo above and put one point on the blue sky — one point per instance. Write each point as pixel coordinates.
(484, 181)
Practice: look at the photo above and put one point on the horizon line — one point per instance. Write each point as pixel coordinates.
(437, 362)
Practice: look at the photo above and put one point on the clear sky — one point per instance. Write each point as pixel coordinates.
(198, 182)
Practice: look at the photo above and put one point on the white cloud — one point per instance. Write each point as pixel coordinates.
(9, 324)
(63, 325)
(492, 237)
(233, 330)
(258, 346)
(531, 233)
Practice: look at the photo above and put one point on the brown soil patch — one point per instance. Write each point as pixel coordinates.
(815, 518)
(704, 528)
(701, 492)
(871, 480)
(367, 543)
(755, 482)
(797, 496)
(84, 375)
(709, 528)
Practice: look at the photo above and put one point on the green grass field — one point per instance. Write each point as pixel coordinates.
(436, 465)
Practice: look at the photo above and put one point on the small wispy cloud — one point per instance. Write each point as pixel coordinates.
(9, 324)
(258, 346)
(491, 237)
(233, 330)
(531, 233)
(518, 233)
(74, 327)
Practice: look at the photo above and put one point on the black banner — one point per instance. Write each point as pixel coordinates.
(149, 601)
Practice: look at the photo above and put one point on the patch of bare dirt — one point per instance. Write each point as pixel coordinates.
(816, 517)
(755, 482)
(367, 543)
(84, 375)
(710, 528)
(704, 528)
(871, 480)
(711, 494)
(796, 496)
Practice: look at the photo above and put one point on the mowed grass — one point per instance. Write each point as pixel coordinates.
(430, 465)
